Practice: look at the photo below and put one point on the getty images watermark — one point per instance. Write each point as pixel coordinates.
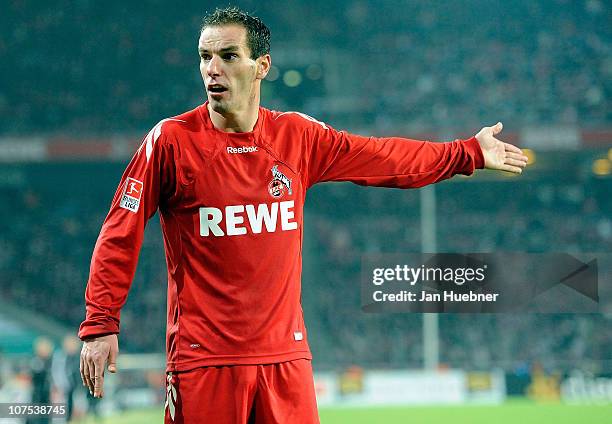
(508, 282)
(425, 274)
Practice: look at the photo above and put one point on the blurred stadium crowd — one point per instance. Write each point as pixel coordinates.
(107, 67)
(473, 216)
(45, 252)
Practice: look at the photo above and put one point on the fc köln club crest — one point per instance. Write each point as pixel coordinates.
(279, 184)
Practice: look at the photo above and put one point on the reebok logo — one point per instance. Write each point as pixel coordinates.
(246, 149)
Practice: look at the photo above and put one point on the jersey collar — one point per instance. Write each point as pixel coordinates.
(240, 136)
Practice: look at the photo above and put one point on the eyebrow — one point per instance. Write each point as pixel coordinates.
(223, 50)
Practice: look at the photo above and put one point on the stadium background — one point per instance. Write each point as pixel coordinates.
(83, 81)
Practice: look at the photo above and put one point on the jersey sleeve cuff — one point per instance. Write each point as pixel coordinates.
(473, 148)
(90, 329)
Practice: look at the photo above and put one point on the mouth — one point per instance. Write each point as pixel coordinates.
(216, 90)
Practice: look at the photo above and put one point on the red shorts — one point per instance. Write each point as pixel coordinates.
(243, 394)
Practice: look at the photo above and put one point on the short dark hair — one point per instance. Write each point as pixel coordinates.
(258, 34)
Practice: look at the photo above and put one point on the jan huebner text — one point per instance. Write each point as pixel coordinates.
(446, 296)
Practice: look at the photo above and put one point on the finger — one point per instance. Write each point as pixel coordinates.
(86, 374)
(81, 368)
(98, 373)
(512, 148)
(515, 162)
(82, 365)
(98, 384)
(92, 375)
(511, 168)
(112, 360)
(517, 156)
(497, 128)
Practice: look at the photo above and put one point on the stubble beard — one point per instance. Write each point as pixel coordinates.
(219, 106)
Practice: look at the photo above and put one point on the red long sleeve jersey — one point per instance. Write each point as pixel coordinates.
(231, 211)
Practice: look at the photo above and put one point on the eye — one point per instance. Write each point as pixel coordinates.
(230, 56)
(204, 56)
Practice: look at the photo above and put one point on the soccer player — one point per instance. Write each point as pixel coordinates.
(229, 180)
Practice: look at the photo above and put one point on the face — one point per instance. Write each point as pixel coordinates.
(231, 78)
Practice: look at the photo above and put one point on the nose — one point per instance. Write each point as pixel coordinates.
(214, 67)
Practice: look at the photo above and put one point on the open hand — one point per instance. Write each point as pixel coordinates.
(498, 154)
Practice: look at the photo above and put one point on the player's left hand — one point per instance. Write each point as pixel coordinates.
(498, 154)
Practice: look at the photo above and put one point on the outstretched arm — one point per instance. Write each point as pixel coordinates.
(401, 162)
(498, 154)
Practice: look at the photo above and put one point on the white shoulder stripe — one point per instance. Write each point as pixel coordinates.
(153, 135)
(303, 115)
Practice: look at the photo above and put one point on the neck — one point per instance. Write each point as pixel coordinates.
(240, 121)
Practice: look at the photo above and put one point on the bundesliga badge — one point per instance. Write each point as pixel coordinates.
(280, 182)
(132, 192)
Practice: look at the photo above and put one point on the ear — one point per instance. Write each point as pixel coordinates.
(263, 66)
